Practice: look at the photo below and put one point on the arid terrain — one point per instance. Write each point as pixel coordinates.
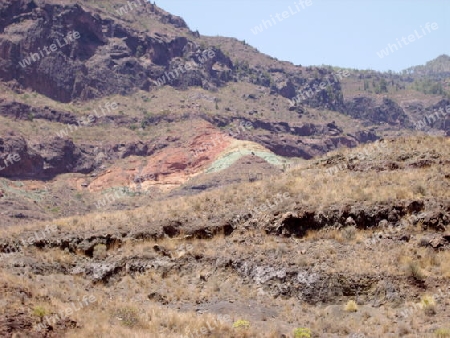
(155, 182)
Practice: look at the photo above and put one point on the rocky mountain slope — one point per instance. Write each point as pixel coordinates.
(170, 183)
(354, 243)
(72, 73)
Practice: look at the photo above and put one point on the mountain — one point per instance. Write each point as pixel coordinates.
(148, 173)
(439, 67)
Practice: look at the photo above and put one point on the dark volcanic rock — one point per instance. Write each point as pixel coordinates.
(57, 155)
(360, 215)
(388, 112)
(29, 163)
(106, 59)
(20, 111)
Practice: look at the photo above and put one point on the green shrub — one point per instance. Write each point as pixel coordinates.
(241, 324)
(40, 311)
(428, 305)
(302, 333)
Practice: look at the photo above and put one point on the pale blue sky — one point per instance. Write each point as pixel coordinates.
(346, 33)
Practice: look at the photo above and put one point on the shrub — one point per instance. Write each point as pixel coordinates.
(413, 270)
(442, 333)
(351, 306)
(139, 51)
(128, 317)
(349, 233)
(428, 305)
(100, 251)
(420, 190)
(243, 324)
(302, 333)
(40, 312)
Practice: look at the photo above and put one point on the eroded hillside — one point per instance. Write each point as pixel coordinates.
(118, 99)
(292, 251)
(155, 182)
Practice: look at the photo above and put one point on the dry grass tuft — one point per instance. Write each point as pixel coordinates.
(428, 305)
(351, 306)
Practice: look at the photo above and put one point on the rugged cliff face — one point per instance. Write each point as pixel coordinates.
(40, 51)
(109, 57)
(388, 112)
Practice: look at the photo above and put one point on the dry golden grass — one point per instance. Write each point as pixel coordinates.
(123, 300)
(330, 248)
(113, 314)
(312, 187)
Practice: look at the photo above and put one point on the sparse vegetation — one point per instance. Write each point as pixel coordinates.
(442, 333)
(349, 233)
(241, 324)
(428, 305)
(351, 306)
(413, 270)
(129, 317)
(302, 333)
(99, 251)
(177, 234)
(40, 312)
